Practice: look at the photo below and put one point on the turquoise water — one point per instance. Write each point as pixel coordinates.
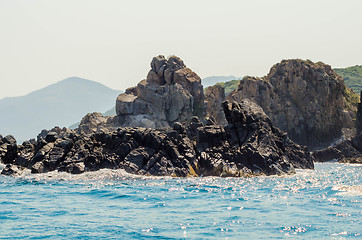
(109, 204)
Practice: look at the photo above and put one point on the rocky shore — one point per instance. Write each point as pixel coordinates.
(248, 145)
(168, 126)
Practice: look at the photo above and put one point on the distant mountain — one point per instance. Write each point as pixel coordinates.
(210, 81)
(60, 104)
(352, 77)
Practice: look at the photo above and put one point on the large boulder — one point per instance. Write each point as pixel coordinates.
(307, 100)
(171, 93)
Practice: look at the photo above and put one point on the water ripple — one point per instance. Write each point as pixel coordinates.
(111, 204)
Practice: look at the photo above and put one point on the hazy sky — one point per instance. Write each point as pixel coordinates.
(113, 41)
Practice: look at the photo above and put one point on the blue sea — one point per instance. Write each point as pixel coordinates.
(324, 203)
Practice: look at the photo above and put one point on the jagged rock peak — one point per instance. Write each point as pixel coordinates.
(164, 68)
(170, 93)
(307, 100)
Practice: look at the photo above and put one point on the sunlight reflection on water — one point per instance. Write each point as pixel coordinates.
(321, 203)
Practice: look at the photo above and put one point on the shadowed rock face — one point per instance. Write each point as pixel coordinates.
(305, 99)
(171, 93)
(248, 145)
(359, 115)
(214, 97)
(346, 151)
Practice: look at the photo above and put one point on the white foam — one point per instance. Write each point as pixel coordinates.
(100, 175)
(2, 166)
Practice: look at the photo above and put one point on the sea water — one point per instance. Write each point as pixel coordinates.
(324, 203)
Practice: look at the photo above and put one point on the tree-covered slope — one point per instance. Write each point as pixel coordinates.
(229, 86)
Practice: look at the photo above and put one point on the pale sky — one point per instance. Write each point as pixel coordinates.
(113, 41)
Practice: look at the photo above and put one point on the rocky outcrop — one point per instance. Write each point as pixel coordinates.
(307, 100)
(214, 97)
(260, 143)
(248, 145)
(8, 149)
(171, 93)
(96, 122)
(347, 151)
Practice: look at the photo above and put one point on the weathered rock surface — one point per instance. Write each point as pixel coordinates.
(258, 144)
(248, 145)
(171, 93)
(96, 122)
(307, 100)
(346, 151)
(214, 97)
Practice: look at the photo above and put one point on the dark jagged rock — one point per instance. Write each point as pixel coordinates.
(248, 145)
(8, 149)
(307, 100)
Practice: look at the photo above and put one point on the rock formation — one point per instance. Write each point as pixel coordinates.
(347, 151)
(248, 145)
(307, 100)
(171, 93)
(96, 122)
(8, 149)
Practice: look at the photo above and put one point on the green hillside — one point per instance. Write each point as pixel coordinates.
(352, 77)
(229, 86)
